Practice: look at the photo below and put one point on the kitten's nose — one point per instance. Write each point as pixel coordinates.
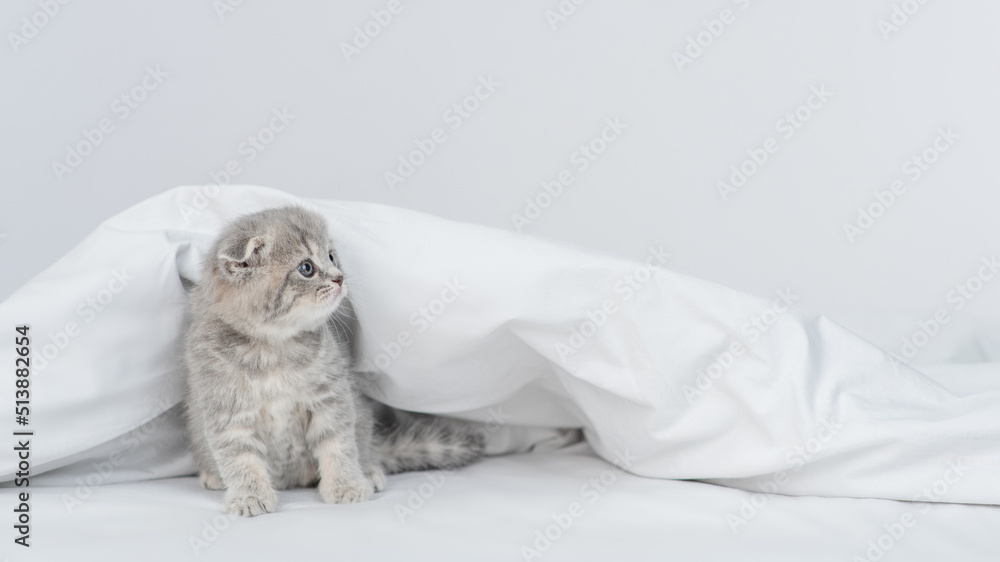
(338, 279)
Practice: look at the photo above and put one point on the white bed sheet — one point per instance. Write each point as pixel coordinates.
(489, 511)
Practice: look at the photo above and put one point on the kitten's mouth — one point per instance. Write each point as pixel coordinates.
(330, 293)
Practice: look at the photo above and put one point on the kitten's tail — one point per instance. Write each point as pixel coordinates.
(409, 441)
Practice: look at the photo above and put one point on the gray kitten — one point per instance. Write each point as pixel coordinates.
(271, 399)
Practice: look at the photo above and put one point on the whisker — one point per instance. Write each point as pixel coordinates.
(337, 328)
(340, 321)
(347, 314)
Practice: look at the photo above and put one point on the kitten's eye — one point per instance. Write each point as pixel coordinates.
(306, 268)
(331, 258)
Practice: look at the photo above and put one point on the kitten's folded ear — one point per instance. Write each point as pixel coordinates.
(238, 260)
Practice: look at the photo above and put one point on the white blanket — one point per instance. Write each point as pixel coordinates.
(671, 377)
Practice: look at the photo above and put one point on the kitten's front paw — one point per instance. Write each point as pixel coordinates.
(377, 477)
(250, 504)
(347, 490)
(211, 481)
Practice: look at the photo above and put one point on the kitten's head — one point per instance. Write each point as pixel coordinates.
(274, 273)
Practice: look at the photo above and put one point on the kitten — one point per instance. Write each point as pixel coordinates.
(271, 399)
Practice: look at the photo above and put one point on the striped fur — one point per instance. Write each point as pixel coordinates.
(271, 401)
(421, 442)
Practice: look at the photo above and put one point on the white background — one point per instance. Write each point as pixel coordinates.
(227, 71)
